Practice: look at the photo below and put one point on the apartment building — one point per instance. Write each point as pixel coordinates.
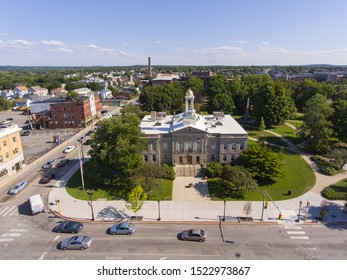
(11, 151)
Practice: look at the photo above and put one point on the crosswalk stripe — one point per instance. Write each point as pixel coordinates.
(3, 210)
(18, 230)
(299, 237)
(11, 235)
(292, 227)
(8, 211)
(296, 232)
(6, 239)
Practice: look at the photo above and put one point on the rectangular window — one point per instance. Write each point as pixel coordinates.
(14, 139)
(154, 158)
(225, 147)
(180, 146)
(5, 143)
(154, 146)
(224, 157)
(213, 146)
(213, 157)
(242, 147)
(7, 155)
(233, 147)
(15, 151)
(145, 157)
(166, 157)
(165, 146)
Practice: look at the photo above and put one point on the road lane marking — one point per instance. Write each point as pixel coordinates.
(296, 232)
(42, 256)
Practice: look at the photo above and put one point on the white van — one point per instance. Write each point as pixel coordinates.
(36, 204)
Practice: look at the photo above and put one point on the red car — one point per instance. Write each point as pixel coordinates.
(47, 178)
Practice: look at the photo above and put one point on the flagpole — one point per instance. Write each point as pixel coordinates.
(81, 163)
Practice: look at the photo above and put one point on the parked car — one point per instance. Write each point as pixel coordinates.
(90, 132)
(194, 235)
(63, 162)
(48, 164)
(9, 119)
(123, 228)
(104, 112)
(69, 149)
(26, 133)
(77, 242)
(69, 227)
(82, 139)
(87, 142)
(17, 188)
(5, 122)
(46, 179)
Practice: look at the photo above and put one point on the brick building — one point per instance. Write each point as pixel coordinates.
(73, 114)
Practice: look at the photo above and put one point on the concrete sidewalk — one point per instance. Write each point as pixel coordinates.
(193, 205)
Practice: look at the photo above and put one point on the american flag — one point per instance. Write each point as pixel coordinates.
(81, 166)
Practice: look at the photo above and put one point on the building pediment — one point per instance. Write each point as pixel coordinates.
(188, 129)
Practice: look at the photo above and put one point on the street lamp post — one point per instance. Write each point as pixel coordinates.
(90, 193)
(300, 203)
(159, 210)
(224, 211)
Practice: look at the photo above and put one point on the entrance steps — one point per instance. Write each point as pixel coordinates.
(189, 170)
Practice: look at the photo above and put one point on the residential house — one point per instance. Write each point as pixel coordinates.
(23, 103)
(38, 91)
(7, 94)
(105, 93)
(20, 91)
(59, 92)
(83, 92)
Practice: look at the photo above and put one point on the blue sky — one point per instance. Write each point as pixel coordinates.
(180, 32)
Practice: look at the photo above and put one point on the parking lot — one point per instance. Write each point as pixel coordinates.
(38, 142)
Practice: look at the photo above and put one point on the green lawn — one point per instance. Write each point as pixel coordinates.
(74, 188)
(254, 133)
(299, 179)
(287, 132)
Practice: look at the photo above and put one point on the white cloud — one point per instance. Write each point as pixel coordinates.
(180, 49)
(158, 42)
(52, 43)
(62, 50)
(223, 50)
(125, 44)
(20, 44)
(242, 42)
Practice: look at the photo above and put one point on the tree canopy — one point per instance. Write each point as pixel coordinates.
(116, 150)
(262, 162)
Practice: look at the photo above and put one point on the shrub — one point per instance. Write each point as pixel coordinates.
(167, 172)
(327, 167)
(334, 193)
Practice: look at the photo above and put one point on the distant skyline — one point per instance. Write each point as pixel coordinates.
(181, 32)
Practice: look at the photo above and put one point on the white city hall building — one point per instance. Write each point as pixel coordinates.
(192, 139)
